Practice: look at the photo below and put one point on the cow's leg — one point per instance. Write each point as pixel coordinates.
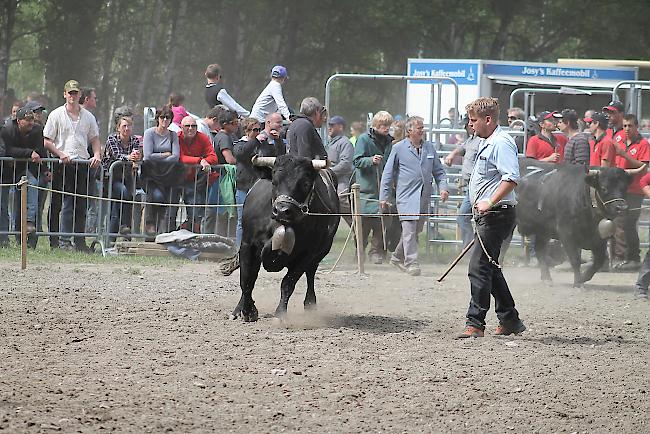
(286, 289)
(250, 262)
(573, 252)
(541, 242)
(310, 296)
(600, 255)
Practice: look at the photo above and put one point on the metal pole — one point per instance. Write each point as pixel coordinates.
(23, 222)
(439, 113)
(433, 105)
(356, 203)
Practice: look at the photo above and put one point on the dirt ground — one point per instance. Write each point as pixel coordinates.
(150, 349)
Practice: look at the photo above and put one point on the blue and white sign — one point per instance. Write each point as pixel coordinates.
(552, 71)
(463, 73)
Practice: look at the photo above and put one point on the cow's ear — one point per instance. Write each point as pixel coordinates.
(591, 178)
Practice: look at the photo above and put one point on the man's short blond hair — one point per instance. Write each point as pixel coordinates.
(483, 107)
(382, 118)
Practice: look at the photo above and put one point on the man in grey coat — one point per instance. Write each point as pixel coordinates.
(339, 153)
(412, 166)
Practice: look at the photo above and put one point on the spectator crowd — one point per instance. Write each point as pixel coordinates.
(205, 161)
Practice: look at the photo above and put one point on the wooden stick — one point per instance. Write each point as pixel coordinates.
(356, 203)
(455, 261)
(23, 222)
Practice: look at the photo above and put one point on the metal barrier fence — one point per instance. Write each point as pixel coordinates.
(77, 201)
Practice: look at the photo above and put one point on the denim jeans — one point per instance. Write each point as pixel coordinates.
(74, 179)
(4, 214)
(465, 221)
(121, 213)
(240, 197)
(486, 278)
(643, 280)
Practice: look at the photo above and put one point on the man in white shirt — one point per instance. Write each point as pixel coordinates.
(68, 131)
(271, 99)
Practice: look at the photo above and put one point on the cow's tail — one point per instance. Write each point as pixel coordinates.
(229, 265)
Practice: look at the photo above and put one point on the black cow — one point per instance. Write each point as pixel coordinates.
(277, 233)
(567, 203)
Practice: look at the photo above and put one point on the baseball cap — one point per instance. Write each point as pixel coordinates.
(336, 120)
(599, 117)
(548, 115)
(569, 115)
(34, 106)
(279, 71)
(24, 112)
(71, 85)
(614, 105)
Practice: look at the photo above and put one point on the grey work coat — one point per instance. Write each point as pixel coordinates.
(413, 177)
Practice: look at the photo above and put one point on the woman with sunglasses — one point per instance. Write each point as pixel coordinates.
(160, 145)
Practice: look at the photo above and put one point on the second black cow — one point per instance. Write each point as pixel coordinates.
(573, 204)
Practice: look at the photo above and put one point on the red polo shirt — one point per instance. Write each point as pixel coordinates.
(639, 150)
(200, 148)
(618, 137)
(645, 180)
(602, 149)
(540, 146)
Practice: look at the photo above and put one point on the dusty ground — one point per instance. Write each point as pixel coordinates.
(149, 349)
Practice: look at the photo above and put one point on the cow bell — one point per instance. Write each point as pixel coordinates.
(606, 228)
(284, 238)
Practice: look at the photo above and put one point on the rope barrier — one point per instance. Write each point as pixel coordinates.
(320, 214)
(132, 202)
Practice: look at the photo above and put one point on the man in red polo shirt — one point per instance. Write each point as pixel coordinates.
(196, 150)
(615, 111)
(603, 151)
(634, 152)
(547, 146)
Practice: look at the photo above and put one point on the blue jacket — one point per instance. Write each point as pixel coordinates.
(413, 176)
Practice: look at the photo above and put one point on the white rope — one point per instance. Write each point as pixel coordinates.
(132, 202)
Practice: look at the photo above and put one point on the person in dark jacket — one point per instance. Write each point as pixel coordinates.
(302, 137)
(23, 139)
(340, 152)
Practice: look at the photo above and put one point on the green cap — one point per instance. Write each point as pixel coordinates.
(71, 85)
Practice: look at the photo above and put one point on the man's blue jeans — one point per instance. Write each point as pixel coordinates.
(465, 221)
(240, 197)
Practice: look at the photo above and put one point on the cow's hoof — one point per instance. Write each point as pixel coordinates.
(311, 306)
(578, 284)
(232, 317)
(251, 315)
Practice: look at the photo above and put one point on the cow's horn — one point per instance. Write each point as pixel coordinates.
(636, 171)
(263, 161)
(320, 164)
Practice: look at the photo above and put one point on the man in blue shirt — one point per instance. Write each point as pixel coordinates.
(491, 191)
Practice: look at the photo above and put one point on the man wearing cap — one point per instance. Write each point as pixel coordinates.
(412, 166)
(271, 99)
(576, 150)
(302, 137)
(339, 153)
(634, 154)
(36, 108)
(615, 111)
(602, 149)
(68, 131)
(546, 146)
(24, 139)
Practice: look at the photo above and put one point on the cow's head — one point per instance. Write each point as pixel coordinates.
(610, 185)
(293, 185)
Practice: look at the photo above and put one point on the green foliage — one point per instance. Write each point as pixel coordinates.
(136, 51)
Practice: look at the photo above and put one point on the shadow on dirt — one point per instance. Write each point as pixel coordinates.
(581, 340)
(377, 323)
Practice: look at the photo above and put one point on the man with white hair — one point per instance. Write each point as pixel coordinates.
(302, 137)
(412, 164)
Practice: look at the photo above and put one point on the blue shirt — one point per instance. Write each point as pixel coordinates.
(496, 161)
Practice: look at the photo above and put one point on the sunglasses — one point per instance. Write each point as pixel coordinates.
(512, 118)
(190, 126)
(255, 130)
(165, 117)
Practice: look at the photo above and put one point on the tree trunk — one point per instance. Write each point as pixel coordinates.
(149, 51)
(8, 8)
(110, 46)
(177, 23)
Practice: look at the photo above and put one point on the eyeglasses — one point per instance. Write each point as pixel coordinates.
(255, 130)
(512, 118)
(165, 117)
(190, 126)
